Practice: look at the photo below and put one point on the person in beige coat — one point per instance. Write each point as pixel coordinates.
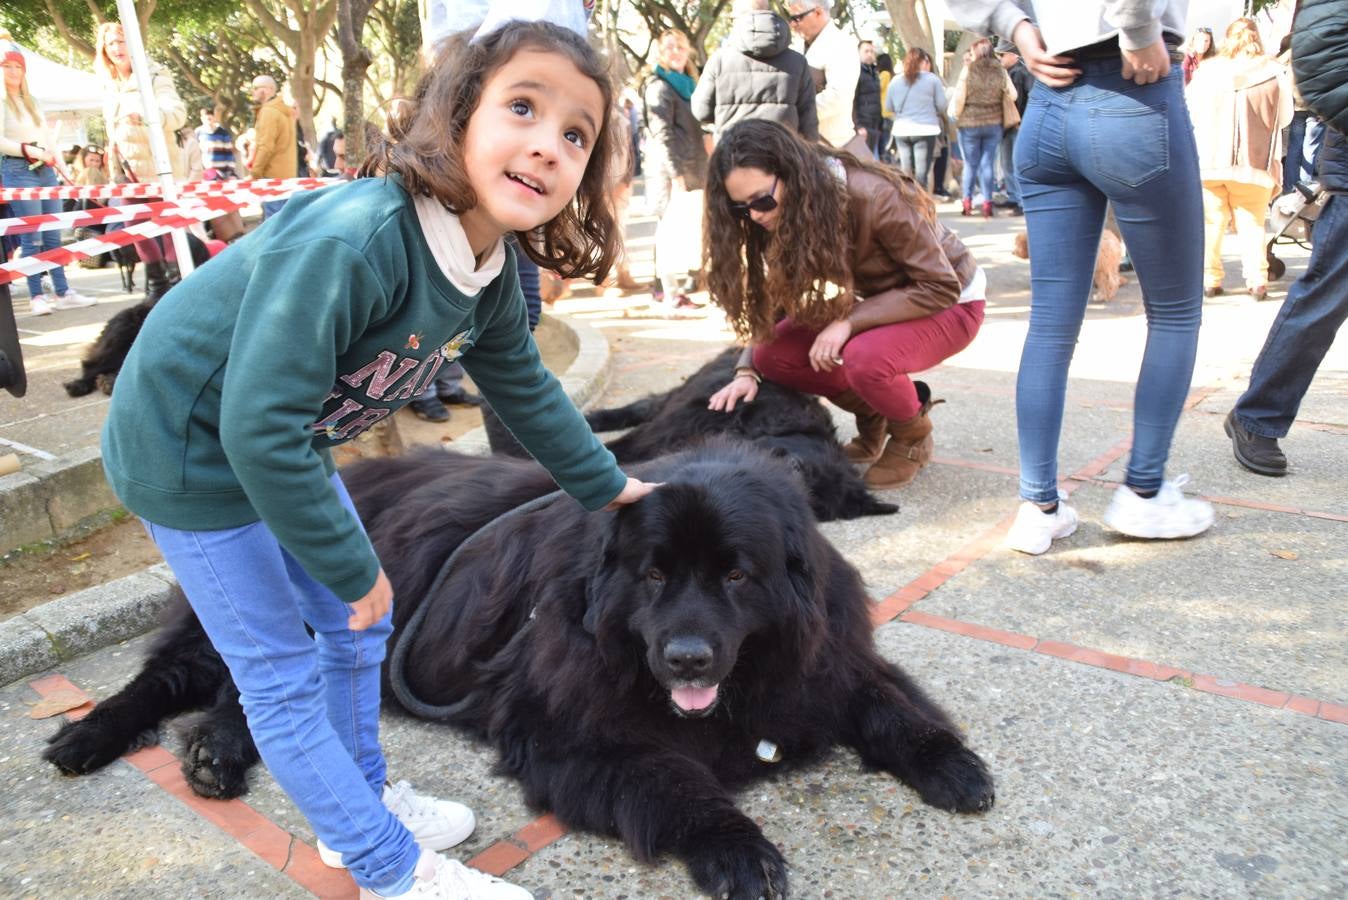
(1240, 101)
(274, 144)
(129, 153)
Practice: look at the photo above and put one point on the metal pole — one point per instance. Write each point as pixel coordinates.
(140, 66)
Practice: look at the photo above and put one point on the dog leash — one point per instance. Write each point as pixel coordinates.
(397, 665)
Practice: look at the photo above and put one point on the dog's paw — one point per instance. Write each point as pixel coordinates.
(88, 745)
(214, 764)
(951, 776)
(105, 382)
(740, 864)
(79, 387)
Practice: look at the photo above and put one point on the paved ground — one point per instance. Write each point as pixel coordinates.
(1162, 718)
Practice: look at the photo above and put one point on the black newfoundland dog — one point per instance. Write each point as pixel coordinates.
(791, 425)
(632, 668)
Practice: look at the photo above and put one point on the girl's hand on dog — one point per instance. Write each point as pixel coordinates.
(826, 351)
(633, 491)
(743, 387)
(1054, 71)
(373, 606)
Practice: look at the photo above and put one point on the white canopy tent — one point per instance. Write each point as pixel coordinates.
(61, 89)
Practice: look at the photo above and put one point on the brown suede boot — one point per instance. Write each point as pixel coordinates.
(909, 449)
(865, 448)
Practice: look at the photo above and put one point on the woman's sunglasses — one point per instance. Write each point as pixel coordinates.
(764, 204)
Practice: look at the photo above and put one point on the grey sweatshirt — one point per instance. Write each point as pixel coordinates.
(1138, 23)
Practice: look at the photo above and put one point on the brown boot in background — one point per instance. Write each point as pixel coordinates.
(910, 447)
(865, 448)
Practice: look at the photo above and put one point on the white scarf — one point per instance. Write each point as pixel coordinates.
(449, 245)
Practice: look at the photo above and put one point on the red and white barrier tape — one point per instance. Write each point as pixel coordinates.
(136, 212)
(148, 189)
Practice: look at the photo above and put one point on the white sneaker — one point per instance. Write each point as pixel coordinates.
(1033, 530)
(436, 824)
(41, 305)
(1169, 514)
(448, 879)
(73, 299)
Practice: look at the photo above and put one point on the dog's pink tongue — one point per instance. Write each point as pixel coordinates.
(691, 698)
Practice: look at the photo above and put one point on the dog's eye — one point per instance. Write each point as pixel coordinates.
(656, 576)
(735, 575)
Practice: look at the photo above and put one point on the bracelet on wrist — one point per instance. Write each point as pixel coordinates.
(750, 372)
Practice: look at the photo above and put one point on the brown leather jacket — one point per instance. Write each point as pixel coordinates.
(903, 266)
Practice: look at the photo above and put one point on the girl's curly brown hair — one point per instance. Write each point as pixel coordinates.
(425, 144)
(758, 276)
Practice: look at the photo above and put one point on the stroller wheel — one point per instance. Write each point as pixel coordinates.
(1276, 267)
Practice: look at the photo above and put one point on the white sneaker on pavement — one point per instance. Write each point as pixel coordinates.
(41, 305)
(448, 879)
(1034, 530)
(73, 299)
(1168, 515)
(436, 824)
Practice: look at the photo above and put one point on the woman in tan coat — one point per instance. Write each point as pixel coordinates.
(837, 273)
(1240, 101)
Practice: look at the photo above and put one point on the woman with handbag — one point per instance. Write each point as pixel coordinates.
(980, 104)
(676, 165)
(917, 102)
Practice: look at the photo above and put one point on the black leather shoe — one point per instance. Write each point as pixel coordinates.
(430, 409)
(459, 397)
(1255, 452)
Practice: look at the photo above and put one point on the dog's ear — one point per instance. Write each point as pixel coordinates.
(806, 572)
(604, 572)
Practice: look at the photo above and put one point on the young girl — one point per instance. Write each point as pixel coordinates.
(838, 273)
(323, 321)
(29, 160)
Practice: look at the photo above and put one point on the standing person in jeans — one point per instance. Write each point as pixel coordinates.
(1317, 304)
(1022, 80)
(916, 99)
(866, 111)
(977, 107)
(1107, 124)
(29, 161)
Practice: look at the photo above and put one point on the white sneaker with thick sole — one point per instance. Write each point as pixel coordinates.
(1034, 530)
(73, 299)
(41, 305)
(448, 879)
(1168, 515)
(436, 824)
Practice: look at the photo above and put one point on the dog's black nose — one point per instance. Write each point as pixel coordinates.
(688, 657)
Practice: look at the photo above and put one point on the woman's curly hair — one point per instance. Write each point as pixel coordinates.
(426, 133)
(803, 268)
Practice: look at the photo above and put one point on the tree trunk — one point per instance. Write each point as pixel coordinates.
(356, 60)
(913, 24)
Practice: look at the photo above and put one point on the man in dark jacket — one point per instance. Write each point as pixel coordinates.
(755, 74)
(866, 101)
(1023, 81)
(1317, 303)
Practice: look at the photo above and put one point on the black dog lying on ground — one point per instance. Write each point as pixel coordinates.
(632, 668)
(103, 360)
(788, 424)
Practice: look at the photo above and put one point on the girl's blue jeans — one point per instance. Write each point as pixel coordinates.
(979, 145)
(312, 702)
(14, 173)
(1107, 140)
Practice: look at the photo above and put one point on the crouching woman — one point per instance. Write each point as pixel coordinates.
(840, 278)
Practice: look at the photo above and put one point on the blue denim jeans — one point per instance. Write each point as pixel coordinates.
(312, 702)
(1007, 155)
(1315, 309)
(1107, 140)
(14, 173)
(978, 144)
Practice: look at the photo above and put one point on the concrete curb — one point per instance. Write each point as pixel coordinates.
(62, 629)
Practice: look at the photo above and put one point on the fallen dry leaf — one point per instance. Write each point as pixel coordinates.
(82, 556)
(57, 702)
(1284, 554)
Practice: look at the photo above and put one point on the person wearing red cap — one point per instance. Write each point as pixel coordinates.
(28, 161)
